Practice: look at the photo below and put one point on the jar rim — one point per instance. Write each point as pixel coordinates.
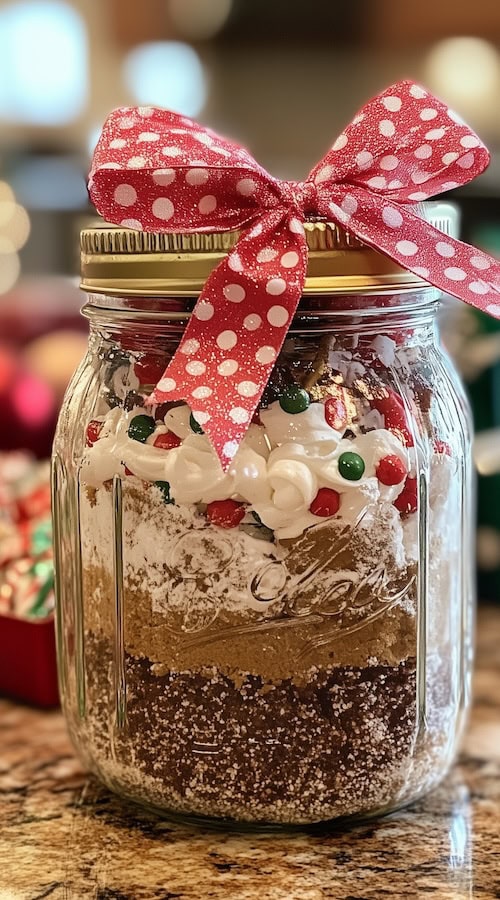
(120, 261)
(313, 313)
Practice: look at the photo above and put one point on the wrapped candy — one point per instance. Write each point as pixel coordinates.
(27, 638)
(26, 570)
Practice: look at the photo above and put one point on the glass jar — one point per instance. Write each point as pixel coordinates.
(290, 642)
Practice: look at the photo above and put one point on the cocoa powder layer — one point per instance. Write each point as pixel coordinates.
(237, 747)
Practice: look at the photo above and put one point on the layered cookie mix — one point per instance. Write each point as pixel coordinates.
(270, 629)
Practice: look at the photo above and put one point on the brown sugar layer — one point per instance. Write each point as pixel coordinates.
(341, 596)
(274, 649)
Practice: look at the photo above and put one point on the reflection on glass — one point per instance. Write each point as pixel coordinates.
(430, 844)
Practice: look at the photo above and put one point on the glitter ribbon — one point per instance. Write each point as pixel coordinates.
(154, 170)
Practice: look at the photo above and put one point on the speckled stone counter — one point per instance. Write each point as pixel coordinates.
(63, 836)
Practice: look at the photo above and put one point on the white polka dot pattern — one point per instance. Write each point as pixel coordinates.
(252, 322)
(202, 392)
(163, 176)
(190, 347)
(226, 340)
(239, 415)
(234, 292)
(195, 177)
(162, 208)
(196, 367)
(276, 286)
(156, 171)
(207, 204)
(204, 310)
(125, 195)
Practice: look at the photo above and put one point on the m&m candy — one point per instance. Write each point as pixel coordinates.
(326, 503)
(225, 513)
(141, 427)
(351, 466)
(294, 399)
(391, 470)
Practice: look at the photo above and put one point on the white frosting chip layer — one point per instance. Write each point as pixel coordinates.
(277, 471)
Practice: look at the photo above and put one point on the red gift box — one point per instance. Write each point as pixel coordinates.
(28, 670)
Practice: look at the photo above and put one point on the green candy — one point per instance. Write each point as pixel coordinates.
(42, 538)
(140, 428)
(294, 399)
(40, 609)
(351, 466)
(164, 487)
(193, 424)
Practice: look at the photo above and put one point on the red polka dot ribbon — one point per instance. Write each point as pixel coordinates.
(154, 170)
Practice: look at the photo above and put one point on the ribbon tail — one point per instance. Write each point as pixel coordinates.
(392, 228)
(236, 331)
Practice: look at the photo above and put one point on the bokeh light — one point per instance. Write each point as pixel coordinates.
(43, 62)
(53, 357)
(14, 225)
(14, 232)
(10, 266)
(7, 367)
(7, 209)
(465, 70)
(18, 227)
(32, 399)
(50, 182)
(167, 73)
(199, 20)
(6, 193)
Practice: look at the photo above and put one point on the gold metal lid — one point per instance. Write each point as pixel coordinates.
(119, 261)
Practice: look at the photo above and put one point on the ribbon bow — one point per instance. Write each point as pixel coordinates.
(154, 170)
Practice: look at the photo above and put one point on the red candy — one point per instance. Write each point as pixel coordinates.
(402, 336)
(394, 413)
(391, 470)
(167, 441)
(406, 503)
(225, 513)
(336, 413)
(94, 429)
(149, 369)
(326, 503)
(442, 447)
(36, 504)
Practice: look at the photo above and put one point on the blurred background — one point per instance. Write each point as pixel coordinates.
(283, 77)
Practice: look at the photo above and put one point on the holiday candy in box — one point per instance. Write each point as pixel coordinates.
(27, 639)
(28, 660)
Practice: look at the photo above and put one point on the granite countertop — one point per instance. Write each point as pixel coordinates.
(64, 837)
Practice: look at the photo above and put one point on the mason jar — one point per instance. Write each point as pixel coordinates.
(290, 641)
